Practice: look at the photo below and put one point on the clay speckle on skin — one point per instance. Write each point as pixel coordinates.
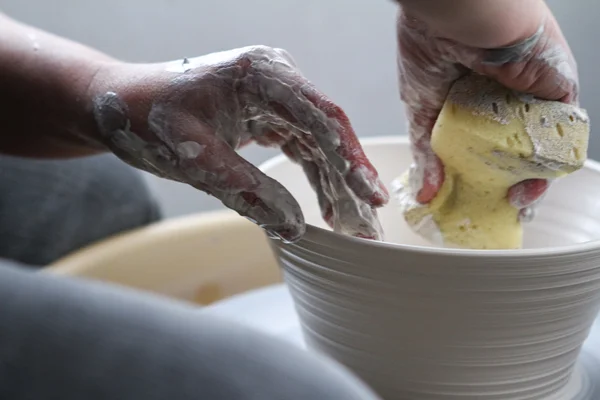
(34, 41)
(111, 114)
(189, 150)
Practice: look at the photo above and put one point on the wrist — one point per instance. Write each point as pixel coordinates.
(120, 97)
(105, 79)
(479, 23)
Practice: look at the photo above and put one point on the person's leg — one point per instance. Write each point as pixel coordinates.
(68, 339)
(49, 208)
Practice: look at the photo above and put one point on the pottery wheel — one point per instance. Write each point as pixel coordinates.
(271, 310)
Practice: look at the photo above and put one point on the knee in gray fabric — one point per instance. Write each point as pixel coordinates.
(50, 208)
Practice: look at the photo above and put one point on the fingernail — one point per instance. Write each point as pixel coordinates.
(358, 235)
(381, 196)
(287, 235)
(527, 192)
(426, 194)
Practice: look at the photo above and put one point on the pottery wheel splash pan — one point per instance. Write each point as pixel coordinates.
(418, 322)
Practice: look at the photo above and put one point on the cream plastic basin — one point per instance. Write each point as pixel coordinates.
(419, 322)
(200, 258)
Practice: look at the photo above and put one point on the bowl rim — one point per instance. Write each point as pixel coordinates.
(319, 236)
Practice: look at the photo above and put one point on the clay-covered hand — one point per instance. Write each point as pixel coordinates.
(184, 120)
(533, 59)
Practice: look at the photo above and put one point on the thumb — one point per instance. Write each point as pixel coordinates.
(243, 188)
(208, 163)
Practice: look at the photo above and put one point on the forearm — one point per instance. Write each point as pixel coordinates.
(480, 23)
(44, 80)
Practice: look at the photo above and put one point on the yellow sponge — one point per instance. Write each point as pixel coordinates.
(490, 138)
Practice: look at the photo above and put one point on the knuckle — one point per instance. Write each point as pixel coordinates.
(260, 53)
(263, 58)
(286, 56)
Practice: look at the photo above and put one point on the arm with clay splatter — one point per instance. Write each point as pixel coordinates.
(517, 42)
(184, 120)
(43, 81)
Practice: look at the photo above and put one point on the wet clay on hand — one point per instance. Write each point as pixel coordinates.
(489, 139)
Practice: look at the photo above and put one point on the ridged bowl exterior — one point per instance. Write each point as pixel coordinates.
(439, 327)
(423, 323)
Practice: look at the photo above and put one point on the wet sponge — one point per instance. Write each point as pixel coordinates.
(490, 138)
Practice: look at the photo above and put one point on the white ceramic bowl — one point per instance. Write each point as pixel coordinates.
(419, 322)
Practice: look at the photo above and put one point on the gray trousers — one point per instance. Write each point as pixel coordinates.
(50, 208)
(63, 338)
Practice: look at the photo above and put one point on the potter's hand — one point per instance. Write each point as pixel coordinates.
(517, 42)
(185, 120)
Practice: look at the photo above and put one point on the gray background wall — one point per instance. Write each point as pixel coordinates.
(346, 47)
